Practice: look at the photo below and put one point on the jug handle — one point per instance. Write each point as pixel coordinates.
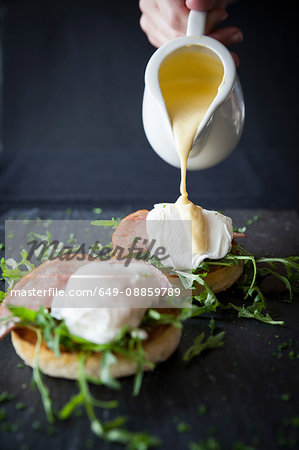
(196, 23)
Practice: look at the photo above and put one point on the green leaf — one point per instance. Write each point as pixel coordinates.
(15, 272)
(207, 299)
(254, 269)
(188, 278)
(140, 360)
(106, 223)
(210, 443)
(44, 391)
(267, 271)
(109, 431)
(133, 441)
(24, 314)
(70, 406)
(6, 397)
(155, 317)
(212, 326)
(107, 360)
(2, 296)
(199, 345)
(96, 425)
(255, 314)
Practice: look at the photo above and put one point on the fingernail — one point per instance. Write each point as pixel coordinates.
(236, 37)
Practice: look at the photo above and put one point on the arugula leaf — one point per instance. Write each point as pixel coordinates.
(211, 443)
(71, 405)
(290, 279)
(248, 283)
(207, 299)
(133, 441)
(106, 223)
(199, 345)
(107, 360)
(37, 378)
(15, 272)
(24, 314)
(79, 399)
(141, 361)
(239, 229)
(255, 314)
(5, 396)
(152, 316)
(96, 425)
(109, 431)
(189, 278)
(2, 296)
(212, 326)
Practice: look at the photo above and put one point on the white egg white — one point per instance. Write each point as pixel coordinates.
(100, 318)
(163, 223)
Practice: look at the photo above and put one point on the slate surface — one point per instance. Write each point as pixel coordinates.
(242, 385)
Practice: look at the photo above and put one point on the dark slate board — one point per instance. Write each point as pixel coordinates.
(241, 384)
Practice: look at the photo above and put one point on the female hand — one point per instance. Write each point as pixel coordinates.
(163, 20)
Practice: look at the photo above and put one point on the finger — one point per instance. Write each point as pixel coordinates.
(235, 58)
(169, 14)
(228, 36)
(200, 5)
(148, 6)
(214, 18)
(153, 37)
(175, 14)
(160, 23)
(156, 34)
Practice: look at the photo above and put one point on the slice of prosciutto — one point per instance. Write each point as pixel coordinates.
(130, 228)
(50, 274)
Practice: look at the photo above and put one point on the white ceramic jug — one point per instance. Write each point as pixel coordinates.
(221, 128)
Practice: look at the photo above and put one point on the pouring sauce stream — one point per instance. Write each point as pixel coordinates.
(189, 82)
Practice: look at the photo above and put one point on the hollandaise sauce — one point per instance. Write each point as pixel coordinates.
(189, 81)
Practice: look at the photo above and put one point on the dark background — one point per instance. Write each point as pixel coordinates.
(72, 129)
(73, 139)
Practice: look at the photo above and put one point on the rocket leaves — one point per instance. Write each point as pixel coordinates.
(199, 345)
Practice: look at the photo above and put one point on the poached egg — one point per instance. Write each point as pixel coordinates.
(164, 224)
(116, 299)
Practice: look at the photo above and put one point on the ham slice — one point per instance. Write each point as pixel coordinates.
(131, 227)
(50, 274)
(239, 235)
